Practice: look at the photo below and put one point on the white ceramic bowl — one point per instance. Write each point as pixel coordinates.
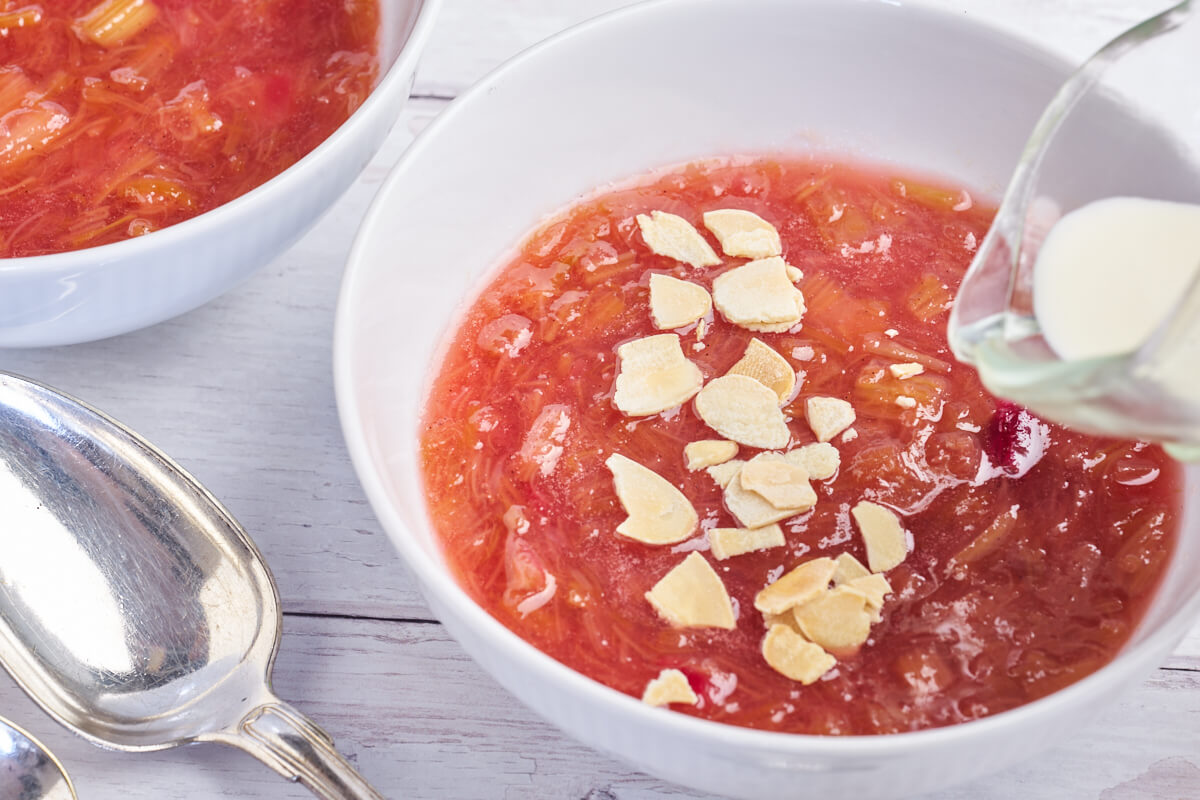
(89, 294)
(693, 78)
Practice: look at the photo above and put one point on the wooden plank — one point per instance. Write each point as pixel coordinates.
(421, 720)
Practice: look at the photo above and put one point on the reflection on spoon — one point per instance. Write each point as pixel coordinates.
(170, 627)
(28, 771)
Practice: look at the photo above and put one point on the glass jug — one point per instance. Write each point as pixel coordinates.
(1127, 124)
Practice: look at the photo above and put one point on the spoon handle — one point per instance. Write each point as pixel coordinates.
(292, 745)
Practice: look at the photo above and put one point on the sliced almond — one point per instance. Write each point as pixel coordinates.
(654, 375)
(751, 509)
(674, 237)
(675, 303)
(781, 484)
(762, 363)
(671, 686)
(836, 619)
(658, 512)
(848, 569)
(791, 655)
(708, 453)
(821, 460)
(759, 296)
(744, 410)
(828, 416)
(797, 587)
(743, 233)
(729, 542)
(724, 473)
(887, 545)
(691, 595)
(906, 370)
(873, 588)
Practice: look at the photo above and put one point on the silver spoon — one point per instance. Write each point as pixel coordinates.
(28, 771)
(133, 608)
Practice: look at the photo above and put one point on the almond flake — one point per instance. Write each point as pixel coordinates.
(836, 619)
(820, 460)
(797, 587)
(675, 303)
(724, 473)
(887, 545)
(671, 686)
(873, 588)
(761, 362)
(781, 484)
(658, 512)
(743, 233)
(906, 370)
(828, 416)
(654, 375)
(744, 410)
(708, 453)
(759, 296)
(729, 542)
(848, 569)
(691, 595)
(793, 656)
(751, 509)
(674, 237)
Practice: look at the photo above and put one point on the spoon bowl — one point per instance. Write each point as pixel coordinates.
(133, 608)
(28, 771)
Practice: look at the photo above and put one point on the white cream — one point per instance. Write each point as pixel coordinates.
(1110, 272)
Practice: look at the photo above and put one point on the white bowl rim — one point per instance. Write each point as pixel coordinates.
(206, 223)
(435, 579)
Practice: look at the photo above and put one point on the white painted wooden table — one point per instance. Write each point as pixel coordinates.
(240, 393)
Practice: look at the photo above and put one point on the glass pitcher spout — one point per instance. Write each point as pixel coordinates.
(1150, 390)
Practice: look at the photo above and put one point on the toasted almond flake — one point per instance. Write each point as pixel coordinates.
(904, 401)
(654, 375)
(887, 546)
(837, 619)
(797, 587)
(848, 569)
(729, 542)
(743, 233)
(691, 595)
(751, 509)
(762, 363)
(849, 435)
(828, 416)
(780, 483)
(675, 303)
(791, 655)
(708, 453)
(794, 274)
(724, 473)
(658, 512)
(873, 588)
(906, 370)
(744, 410)
(674, 237)
(759, 296)
(671, 686)
(820, 460)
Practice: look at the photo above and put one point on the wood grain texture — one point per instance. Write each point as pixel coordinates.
(240, 393)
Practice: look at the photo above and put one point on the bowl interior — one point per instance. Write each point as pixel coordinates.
(660, 85)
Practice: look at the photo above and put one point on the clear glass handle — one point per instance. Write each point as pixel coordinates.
(1102, 135)
(291, 744)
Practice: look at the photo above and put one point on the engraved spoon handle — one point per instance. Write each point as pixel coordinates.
(292, 745)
